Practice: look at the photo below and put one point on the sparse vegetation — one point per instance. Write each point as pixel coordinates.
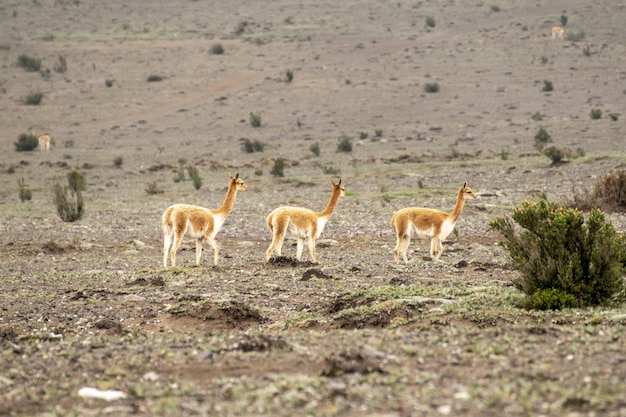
(378, 133)
(24, 191)
(118, 161)
(289, 76)
(558, 251)
(26, 142)
(557, 155)
(537, 117)
(154, 78)
(33, 99)
(431, 87)
(255, 119)
(586, 51)
(344, 145)
(430, 22)
(61, 65)
(608, 193)
(547, 86)
(595, 114)
(278, 170)
(563, 20)
(108, 82)
(29, 63)
(250, 146)
(315, 149)
(68, 199)
(576, 36)
(217, 49)
(152, 188)
(194, 174)
(542, 137)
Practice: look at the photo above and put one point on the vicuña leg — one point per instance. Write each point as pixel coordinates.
(279, 230)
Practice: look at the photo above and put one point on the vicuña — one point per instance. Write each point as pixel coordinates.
(434, 224)
(44, 142)
(302, 223)
(558, 32)
(197, 222)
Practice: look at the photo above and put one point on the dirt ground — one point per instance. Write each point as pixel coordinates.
(89, 304)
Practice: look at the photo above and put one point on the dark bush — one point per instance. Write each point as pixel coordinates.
(194, 174)
(217, 49)
(29, 63)
(278, 170)
(251, 146)
(315, 149)
(541, 138)
(26, 142)
(33, 99)
(255, 119)
(345, 144)
(70, 206)
(549, 299)
(547, 85)
(154, 78)
(557, 155)
(558, 250)
(24, 191)
(431, 87)
(595, 114)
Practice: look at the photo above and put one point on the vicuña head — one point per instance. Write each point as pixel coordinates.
(197, 222)
(428, 223)
(302, 223)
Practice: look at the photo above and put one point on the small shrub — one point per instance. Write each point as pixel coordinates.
(549, 299)
(241, 27)
(430, 22)
(33, 99)
(495, 8)
(544, 59)
(289, 76)
(152, 188)
(610, 191)
(547, 86)
(576, 36)
(614, 116)
(315, 149)
(24, 192)
(555, 154)
(504, 155)
(108, 83)
(331, 170)
(250, 146)
(345, 144)
(586, 51)
(278, 170)
(556, 249)
(118, 161)
(363, 135)
(595, 114)
(537, 117)
(70, 207)
(11, 169)
(180, 174)
(29, 63)
(217, 49)
(431, 87)
(378, 133)
(255, 119)
(68, 143)
(541, 138)
(194, 174)
(26, 142)
(563, 20)
(61, 65)
(154, 78)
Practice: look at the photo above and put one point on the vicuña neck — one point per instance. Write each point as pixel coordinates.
(332, 203)
(229, 200)
(458, 208)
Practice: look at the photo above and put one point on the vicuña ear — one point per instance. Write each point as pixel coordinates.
(237, 176)
(465, 184)
(339, 181)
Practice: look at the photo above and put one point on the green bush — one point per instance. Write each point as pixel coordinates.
(555, 154)
(431, 87)
(29, 63)
(250, 146)
(26, 142)
(547, 85)
(541, 138)
(557, 249)
(289, 76)
(563, 20)
(154, 78)
(70, 207)
(315, 149)
(345, 144)
(61, 65)
(118, 161)
(108, 82)
(33, 99)
(430, 22)
(255, 119)
(549, 299)
(278, 170)
(194, 174)
(595, 114)
(217, 49)
(24, 192)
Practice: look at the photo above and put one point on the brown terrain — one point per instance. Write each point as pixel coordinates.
(89, 304)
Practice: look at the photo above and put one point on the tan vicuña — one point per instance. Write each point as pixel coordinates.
(197, 222)
(435, 224)
(302, 223)
(558, 32)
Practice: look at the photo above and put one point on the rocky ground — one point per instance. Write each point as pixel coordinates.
(89, 304)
